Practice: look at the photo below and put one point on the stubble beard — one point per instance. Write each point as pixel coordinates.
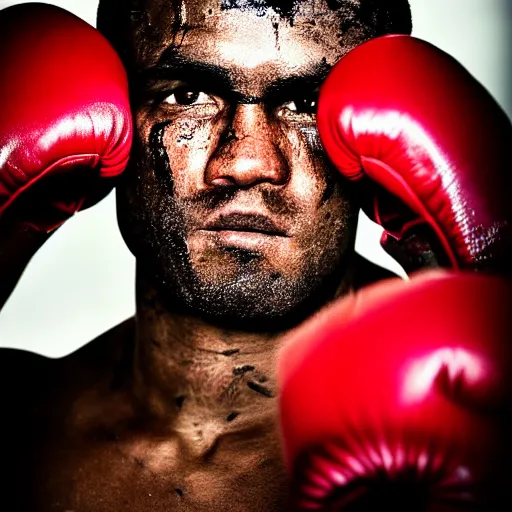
(252, 295)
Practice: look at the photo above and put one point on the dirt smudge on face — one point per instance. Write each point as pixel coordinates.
(159, 156)
(285, 8)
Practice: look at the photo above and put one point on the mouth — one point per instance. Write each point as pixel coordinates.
(245, 223)
(245, 231)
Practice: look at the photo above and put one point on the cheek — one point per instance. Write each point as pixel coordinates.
(310, 174)
(189, 145)
(327, 234)
(328, 204)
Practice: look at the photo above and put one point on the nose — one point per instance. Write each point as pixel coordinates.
(249, 153)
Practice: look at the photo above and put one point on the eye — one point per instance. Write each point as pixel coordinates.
(187, 97)
(301, 105)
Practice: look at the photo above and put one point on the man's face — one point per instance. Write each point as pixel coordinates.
(229, 202)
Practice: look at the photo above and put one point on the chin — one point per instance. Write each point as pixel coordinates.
(254, 299)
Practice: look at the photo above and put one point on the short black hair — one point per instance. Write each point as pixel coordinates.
(117, 20)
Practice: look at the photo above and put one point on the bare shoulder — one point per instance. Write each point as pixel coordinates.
(103, 357)
(28, 378)
(51, 407)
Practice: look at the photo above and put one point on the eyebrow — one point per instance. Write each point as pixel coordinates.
(173, 66)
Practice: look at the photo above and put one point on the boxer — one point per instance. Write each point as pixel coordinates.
(241, 229)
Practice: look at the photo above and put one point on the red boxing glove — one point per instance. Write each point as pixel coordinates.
(398, 398)
(65, 113)
(410, 117)
(65, 127)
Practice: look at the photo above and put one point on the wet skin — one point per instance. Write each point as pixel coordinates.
(240, 229)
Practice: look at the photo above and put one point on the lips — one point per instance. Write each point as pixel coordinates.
(245, 222)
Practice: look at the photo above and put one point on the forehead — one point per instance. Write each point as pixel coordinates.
(244, 35)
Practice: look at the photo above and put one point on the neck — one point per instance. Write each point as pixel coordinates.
(198, 380)
(189, 373)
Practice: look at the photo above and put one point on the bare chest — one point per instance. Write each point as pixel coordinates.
(104, 471)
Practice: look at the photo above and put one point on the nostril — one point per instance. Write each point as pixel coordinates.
(223, 182)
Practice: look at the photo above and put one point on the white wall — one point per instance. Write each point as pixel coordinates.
(82, 281)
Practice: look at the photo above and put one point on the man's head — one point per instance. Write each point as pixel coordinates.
(229, 204)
